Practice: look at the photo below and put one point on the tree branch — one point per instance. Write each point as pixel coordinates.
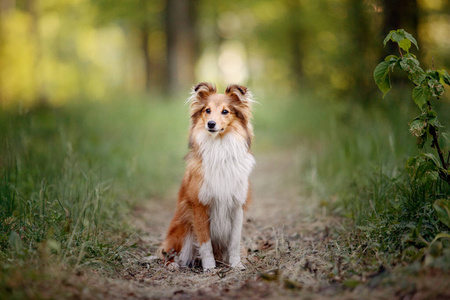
(444, 176)
(433, 133)
(400, 50)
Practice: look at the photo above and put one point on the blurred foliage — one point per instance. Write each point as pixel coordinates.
(55, 51)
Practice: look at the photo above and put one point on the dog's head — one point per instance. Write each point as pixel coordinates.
(220, 113)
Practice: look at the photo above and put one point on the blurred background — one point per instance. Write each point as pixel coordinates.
(54, 51)
(93, 121)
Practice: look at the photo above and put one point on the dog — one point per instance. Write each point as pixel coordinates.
(215, 190)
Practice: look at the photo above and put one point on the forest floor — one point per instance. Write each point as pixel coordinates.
(289, 253)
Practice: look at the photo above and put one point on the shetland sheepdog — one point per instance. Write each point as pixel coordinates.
(215, 189)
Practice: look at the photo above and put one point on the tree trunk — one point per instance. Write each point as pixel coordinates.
(295, 35)
(359, 28)
(145, 32)
(181, 41)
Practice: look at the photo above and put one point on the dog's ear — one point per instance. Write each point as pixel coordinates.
(199, 94)
(242, 100)
(240, 94)
(201, 91)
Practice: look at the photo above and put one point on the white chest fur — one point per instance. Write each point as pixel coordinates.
(226, 165)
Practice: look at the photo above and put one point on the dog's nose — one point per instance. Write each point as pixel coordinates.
(211, 124)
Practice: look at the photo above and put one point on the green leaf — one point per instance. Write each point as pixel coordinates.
(388, 37)
(444, 77)
(418, 127)
(442, 209)
(432, 82)
(420, 96)
(381, 76)
(431, 118)
(417, 77)
(411, 39)
(405, 44)
(391, 58)
(432, 74)
(404, 65)
(435, 87)
(433, 159)
(438, 90)
(398, 36)
(15, 242)
(424, 167)
(421, 140)
(411, 66)
(403, 38)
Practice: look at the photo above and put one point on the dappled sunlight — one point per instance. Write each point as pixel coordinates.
(53, 52)
(432, 4)
(229, 24)
(232, 62)
(207, 66)
(18, 63)
(437, 30)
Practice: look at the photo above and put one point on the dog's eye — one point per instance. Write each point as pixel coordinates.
(225, 112)
(208, 111)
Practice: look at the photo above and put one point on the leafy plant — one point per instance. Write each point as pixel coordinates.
(425, 167)
(428, 84)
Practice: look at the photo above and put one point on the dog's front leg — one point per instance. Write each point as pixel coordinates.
(235, 241)
(201, 229)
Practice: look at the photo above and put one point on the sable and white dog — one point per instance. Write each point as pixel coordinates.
(215, 189)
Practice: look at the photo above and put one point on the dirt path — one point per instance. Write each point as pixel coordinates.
(284, 237)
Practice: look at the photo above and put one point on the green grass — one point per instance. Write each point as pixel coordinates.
(354, 164)
(70, 176)
(358, 171)
(66, 163)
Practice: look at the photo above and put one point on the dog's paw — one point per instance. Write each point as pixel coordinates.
(208, 265)
(209, 270)
(238, 266)
(173, 266)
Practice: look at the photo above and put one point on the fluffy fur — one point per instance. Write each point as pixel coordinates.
(215, 189)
